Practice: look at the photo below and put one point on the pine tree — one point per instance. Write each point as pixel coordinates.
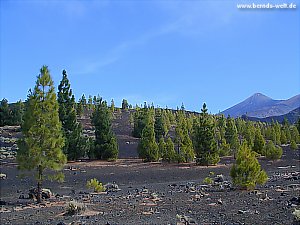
(283, 138)
(167, 120)
(294, 134)
(298, 125)
(17, 113)
(5, 113)
(140, 117)
(182, 108)
(40, 148)
(246, 172)
(79, 108)
(112, 105)
(240, 126)
(259, 142)
(90, 149)
(11, 115)
(160, 127)
(249, 133)
(131, 119)
(83, 100)
(204, 140)
(189, 122)
(293, 145)
(106, 146)
(170, 154)
(124, 104)
(285, 132)
(221, 125)
(268, 132)
(277, 133)
(185, 150)
(90, 102)
(147, 148)
(224, 148)
(75, 143)
(272, 152)
(162, 147)
(97, 100)
(288, 133)
(285, 122)
(231, 134)
(152, 106)
(171, 116)
(94, 100)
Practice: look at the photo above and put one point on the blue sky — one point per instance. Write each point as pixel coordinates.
(166, 52)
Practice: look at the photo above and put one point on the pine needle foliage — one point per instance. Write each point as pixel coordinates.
(204, 139)
(148, 148)
(95, 185)
(75, 144)
(273, 152)
(106, 146)
(246, 172)
(40, 148)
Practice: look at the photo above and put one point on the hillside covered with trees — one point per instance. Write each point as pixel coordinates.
(90, 126)
(51, 130)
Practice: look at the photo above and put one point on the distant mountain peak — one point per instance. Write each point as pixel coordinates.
(261, 106)
(260, 95)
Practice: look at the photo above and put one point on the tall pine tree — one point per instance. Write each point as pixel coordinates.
(170, 154)
(185, 150)
(148, 148)
(40, 148)
(259, 142)
(204, 140)
(140, 117)
(160, 126)
(75, 144)
(106, 146)
(231, 135)
(5, 113)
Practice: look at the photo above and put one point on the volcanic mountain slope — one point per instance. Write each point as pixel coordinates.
(292, 117)
(121, 127)
(261, 106)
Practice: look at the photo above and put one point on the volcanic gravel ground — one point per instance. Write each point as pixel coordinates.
(156, 193)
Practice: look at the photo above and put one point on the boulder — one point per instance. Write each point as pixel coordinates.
(46, 193)
(3, 176)
(219, 178)
(112, 187)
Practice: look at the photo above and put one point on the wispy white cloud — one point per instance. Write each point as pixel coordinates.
(194, 18)
(89, 67)
(189, 19)
(114, 54)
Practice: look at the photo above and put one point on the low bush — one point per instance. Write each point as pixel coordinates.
(208, 180)
(74, 208)
(293, 145)
(273, 152)
(96, 185)
(246, 172)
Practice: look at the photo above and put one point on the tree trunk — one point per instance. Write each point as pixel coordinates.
(39, 185)
(178, 152)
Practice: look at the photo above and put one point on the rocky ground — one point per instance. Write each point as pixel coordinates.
(148, 193)
(155, 193)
